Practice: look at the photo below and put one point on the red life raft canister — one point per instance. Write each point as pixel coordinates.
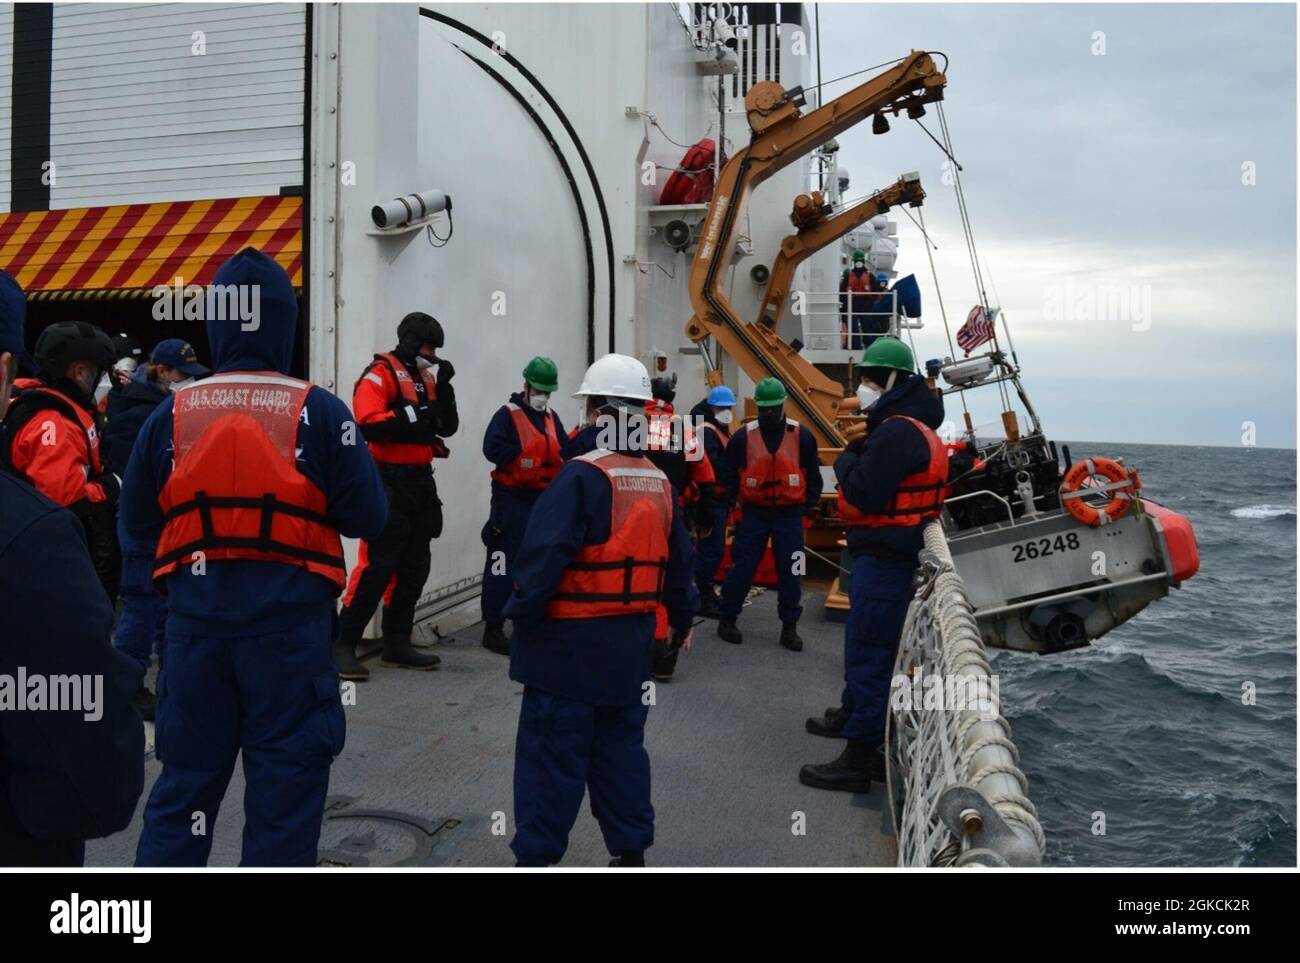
(692, 181)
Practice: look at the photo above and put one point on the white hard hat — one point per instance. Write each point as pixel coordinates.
(616, 376)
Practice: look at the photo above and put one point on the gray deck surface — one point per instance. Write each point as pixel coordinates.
(434, 751)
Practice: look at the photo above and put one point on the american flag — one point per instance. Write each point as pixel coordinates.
(977, 330)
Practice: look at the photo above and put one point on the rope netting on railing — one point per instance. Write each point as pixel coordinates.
(963, 797)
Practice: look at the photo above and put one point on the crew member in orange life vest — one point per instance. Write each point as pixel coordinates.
(857, 302)
(404, 412)
(605, 544)
(246, 480)
(890, 483)
(54, 437)
(676, 450)
(716, 412)
(522, 441)
(772, 467)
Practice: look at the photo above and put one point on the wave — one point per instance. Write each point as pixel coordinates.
(1264, 511)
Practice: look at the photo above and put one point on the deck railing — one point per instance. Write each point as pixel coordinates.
(954, 776)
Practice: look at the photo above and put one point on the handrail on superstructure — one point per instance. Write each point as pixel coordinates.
(781, 135)
(816, 227)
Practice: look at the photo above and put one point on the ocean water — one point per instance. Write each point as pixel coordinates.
(1147, 726)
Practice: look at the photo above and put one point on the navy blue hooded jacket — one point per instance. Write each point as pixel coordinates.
(129, 406)
(501, 441)
(601, 661)
(234, 596)
(870, 470)
(63, 778)
(738, 459)
(715, 446)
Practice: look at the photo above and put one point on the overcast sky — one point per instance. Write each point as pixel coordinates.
(1090, 175)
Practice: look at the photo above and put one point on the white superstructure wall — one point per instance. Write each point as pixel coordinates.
(167, 102)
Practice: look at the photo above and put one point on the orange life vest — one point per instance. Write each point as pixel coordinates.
(919, 496)
(773, 479)
(723, 436)
(35, 392)
(539, 454)
(863, 284)
(400, 452)
(235, 491)
(625, 574)
(661, 431)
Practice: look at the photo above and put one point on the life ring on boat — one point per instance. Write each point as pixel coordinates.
(1122, 484)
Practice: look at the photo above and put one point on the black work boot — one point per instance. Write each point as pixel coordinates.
(790, 636)
(345, 660)
(728, 632)
(830, 725)
(400, 653)
(145, 701)
(851, 772)
(494, 638)
(628, 861)
(709, 602)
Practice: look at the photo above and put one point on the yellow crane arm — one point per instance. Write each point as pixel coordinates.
(816, 229)
(781, 135)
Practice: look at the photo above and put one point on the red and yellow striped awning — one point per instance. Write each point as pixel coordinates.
(126, 250)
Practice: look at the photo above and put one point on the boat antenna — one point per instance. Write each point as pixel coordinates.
(934, 274)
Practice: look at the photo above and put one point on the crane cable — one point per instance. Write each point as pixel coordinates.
(971, 250)
(938, 293)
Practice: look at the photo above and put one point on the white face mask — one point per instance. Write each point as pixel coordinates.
(422, 362)
(178, 385)
(867, 397)
(724, 417)
(538, 402)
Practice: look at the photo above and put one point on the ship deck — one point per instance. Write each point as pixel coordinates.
(425, 778)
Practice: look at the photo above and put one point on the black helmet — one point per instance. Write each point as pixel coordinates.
(125, 346)
(418, 329)
(64, 342)
(664, 389)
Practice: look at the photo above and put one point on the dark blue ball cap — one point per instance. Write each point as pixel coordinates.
(180, 354)
(13, 317)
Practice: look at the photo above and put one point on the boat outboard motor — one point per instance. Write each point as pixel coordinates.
(1061, 626)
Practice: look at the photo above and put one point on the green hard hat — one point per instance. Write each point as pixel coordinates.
(769, 392)
(542, 375)
(858, 255)
(888, 353)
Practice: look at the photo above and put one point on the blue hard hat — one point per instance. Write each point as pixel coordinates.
(882, 277)
(722, 397)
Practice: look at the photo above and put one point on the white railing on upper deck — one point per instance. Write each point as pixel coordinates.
(829, 333)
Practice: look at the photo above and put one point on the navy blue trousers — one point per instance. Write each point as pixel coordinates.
(502, 536)
(708, 551)
(273, 697)
(878, 599)
(565, 748)
(142, 625)
(784, 526)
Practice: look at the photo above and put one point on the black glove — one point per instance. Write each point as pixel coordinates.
(445, 371)
(112, 486)
(415, 423)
